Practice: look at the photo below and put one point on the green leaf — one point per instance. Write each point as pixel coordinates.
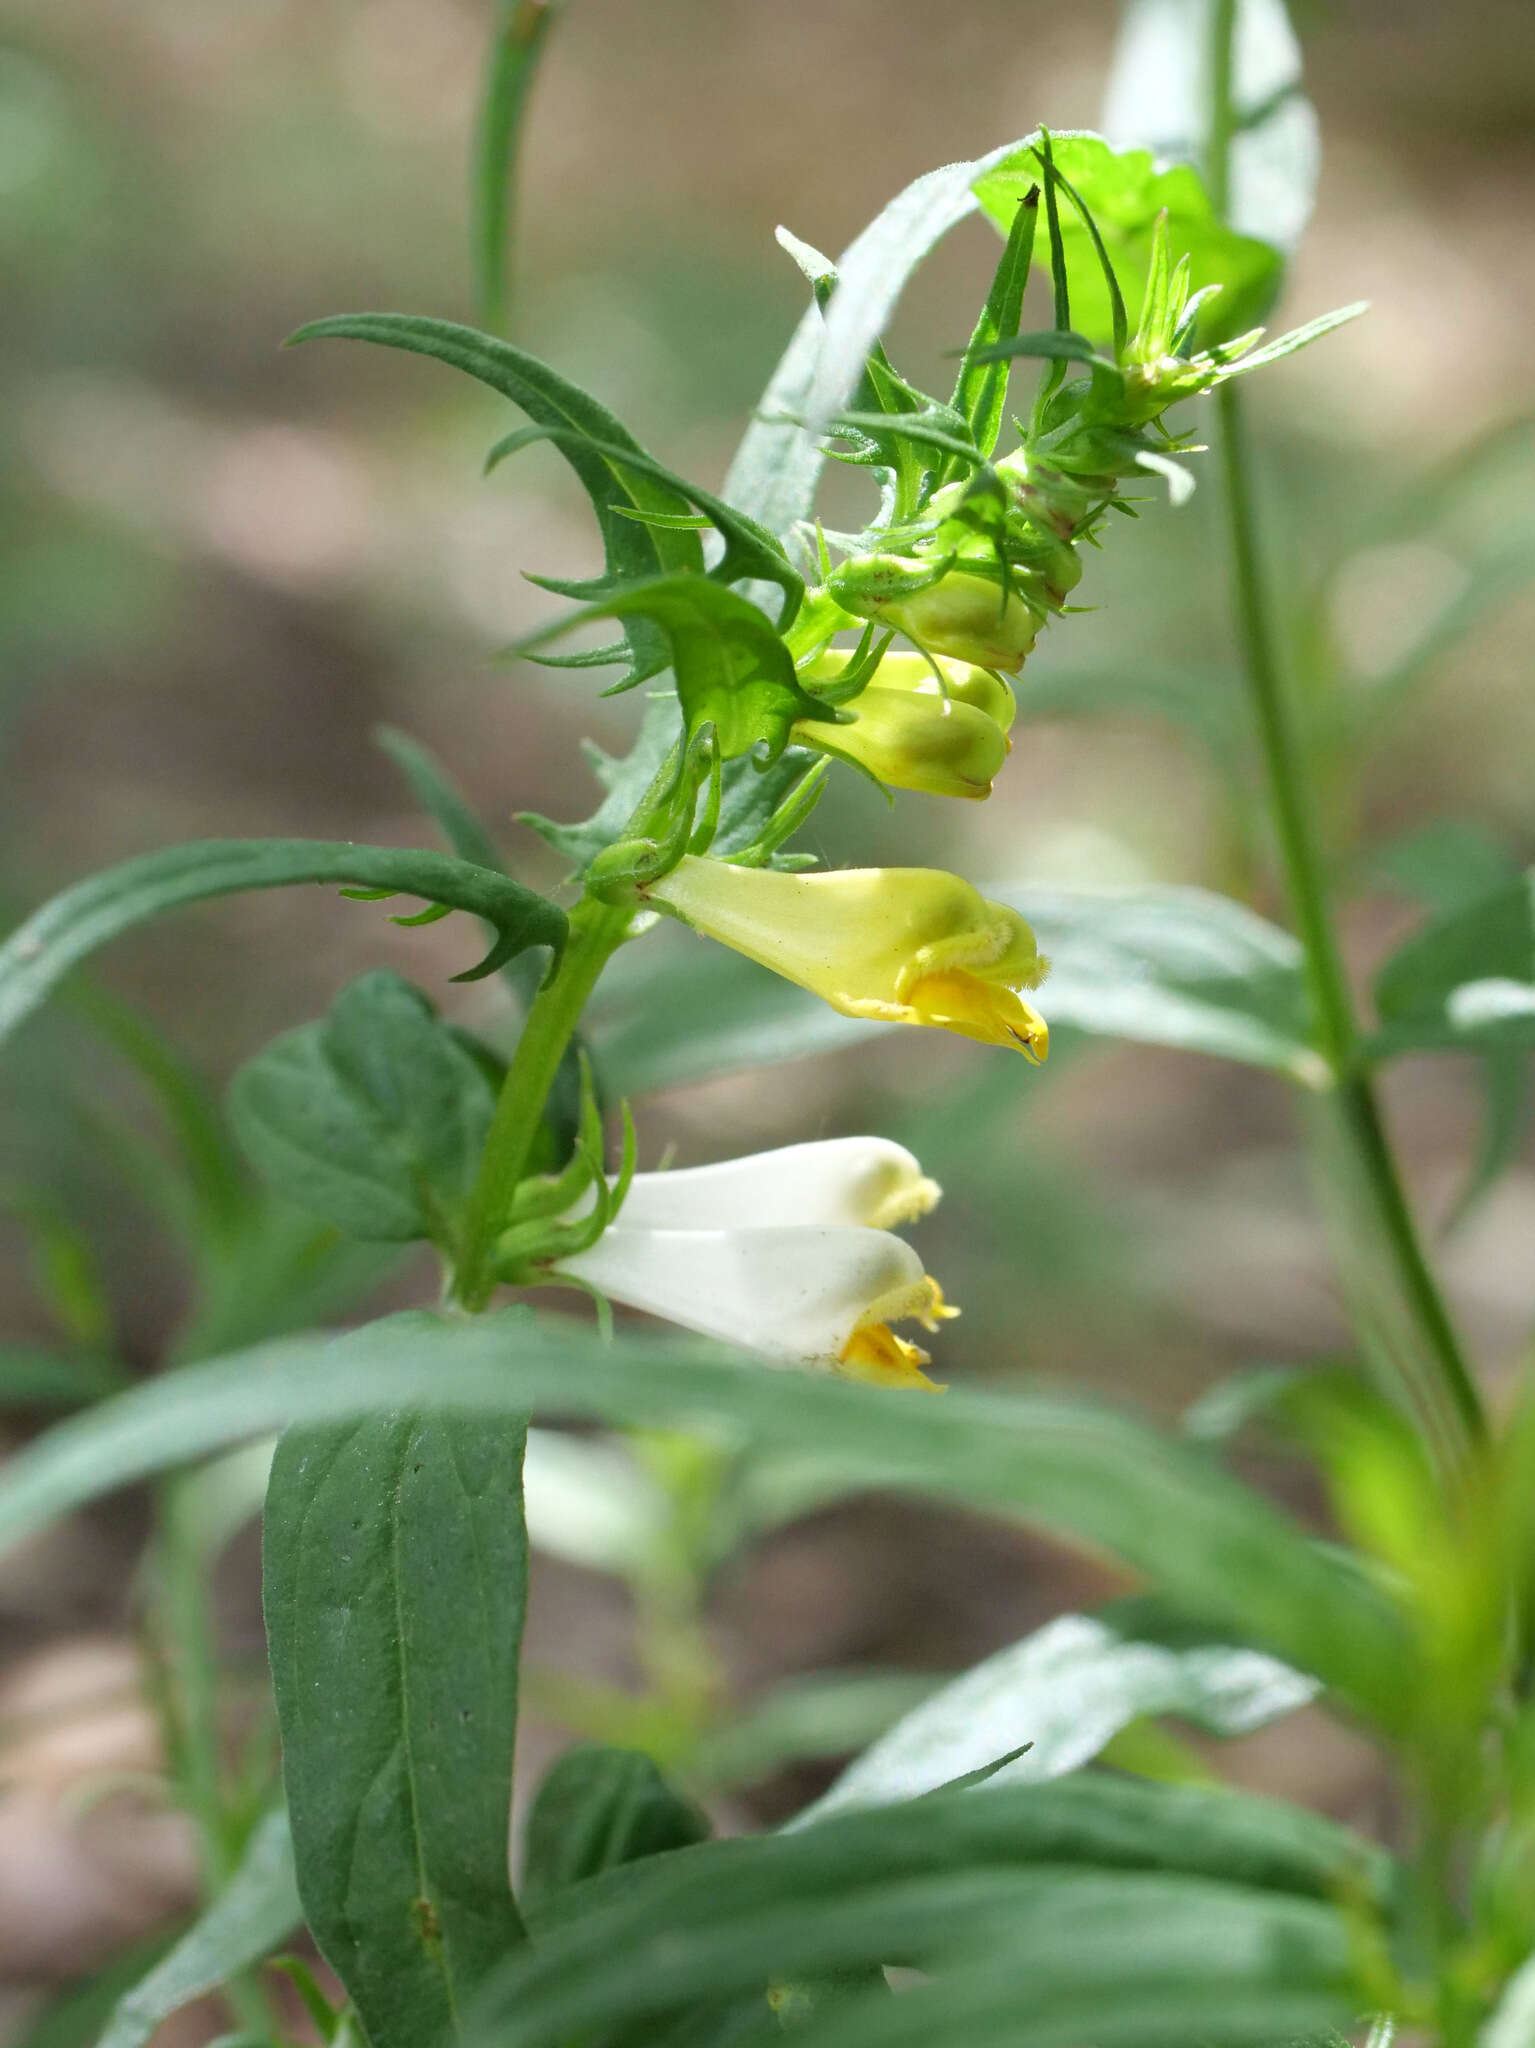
(779, 462)
(980, 392)
(257, 1909)
(1125, 192)
(373, 1118)
(1066, 1691)
(551, 400)
(1224, 1555)
(1113, 1879)
(516, 48)
(1465, 982)
(599, 1808)
(56, 938)
(74, 2016)
(1158, 99)
(750, 551)
(731, 667)
(31, 1377)
(441, 799)
(395, 1583)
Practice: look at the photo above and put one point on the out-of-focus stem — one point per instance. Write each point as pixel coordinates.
(1439, 1387)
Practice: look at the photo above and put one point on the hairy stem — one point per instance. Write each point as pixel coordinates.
(596, 930)
(1438, 1386)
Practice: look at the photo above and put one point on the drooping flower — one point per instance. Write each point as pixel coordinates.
(964, 614)
(913, 730)
(904, 945)
(785, 1253)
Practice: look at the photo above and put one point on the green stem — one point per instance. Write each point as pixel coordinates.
(596, 930)
(1441, 1389)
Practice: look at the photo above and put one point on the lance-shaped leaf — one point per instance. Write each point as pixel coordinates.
(373, 1118)
(732, 669)
(1066, 1691)
(56, 938)
(395, 1567)
(750, 551)
(1125, 191)
(980, 391)
(1226, 1557)
(517, 46)
(632, 550)
(256, 1910)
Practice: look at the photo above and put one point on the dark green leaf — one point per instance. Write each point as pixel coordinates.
(373, 1118)
(1226, 1556)
(551, 400)
(1125, 192)
(596, 1809)
(1132, 1880)
(1065, 1691)
(731, 667)
(256, 1910)
(1060, 344)
(518, 44)
(440, 799)
(54, 939)
(1467, 981)
(395, 1582)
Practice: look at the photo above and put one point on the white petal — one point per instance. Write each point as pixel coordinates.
(789, 1293)
(836, 1181)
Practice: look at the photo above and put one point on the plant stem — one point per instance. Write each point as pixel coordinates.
(596, 930)
(1440, 1388)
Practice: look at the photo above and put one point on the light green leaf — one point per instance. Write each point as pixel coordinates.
(732, 669)
(373, 1118)
(395, 1583)
(56, 938)
(1465, 982)
(258, 1909)
(517, 46)
(980, 392)
(1223, 1555)
(1158, 99)
(1125, 191)
(779, 462)
(599, 1808)
(1066, 1691)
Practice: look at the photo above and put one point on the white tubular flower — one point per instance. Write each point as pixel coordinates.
(781, 1253)
(835, 1181)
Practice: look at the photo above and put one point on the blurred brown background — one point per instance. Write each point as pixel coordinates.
(224, 565)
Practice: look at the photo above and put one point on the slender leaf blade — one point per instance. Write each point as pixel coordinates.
(56, 938)
(257, 1909)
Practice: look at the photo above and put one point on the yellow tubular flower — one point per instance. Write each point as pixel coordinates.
(911, 740)
(905, 945)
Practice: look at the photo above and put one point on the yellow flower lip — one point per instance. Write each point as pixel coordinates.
(900, 945)
(876, 1354)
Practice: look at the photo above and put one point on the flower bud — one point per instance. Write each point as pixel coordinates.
(966, 617)
(903, 945)
(912, 740)
(962, 682)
